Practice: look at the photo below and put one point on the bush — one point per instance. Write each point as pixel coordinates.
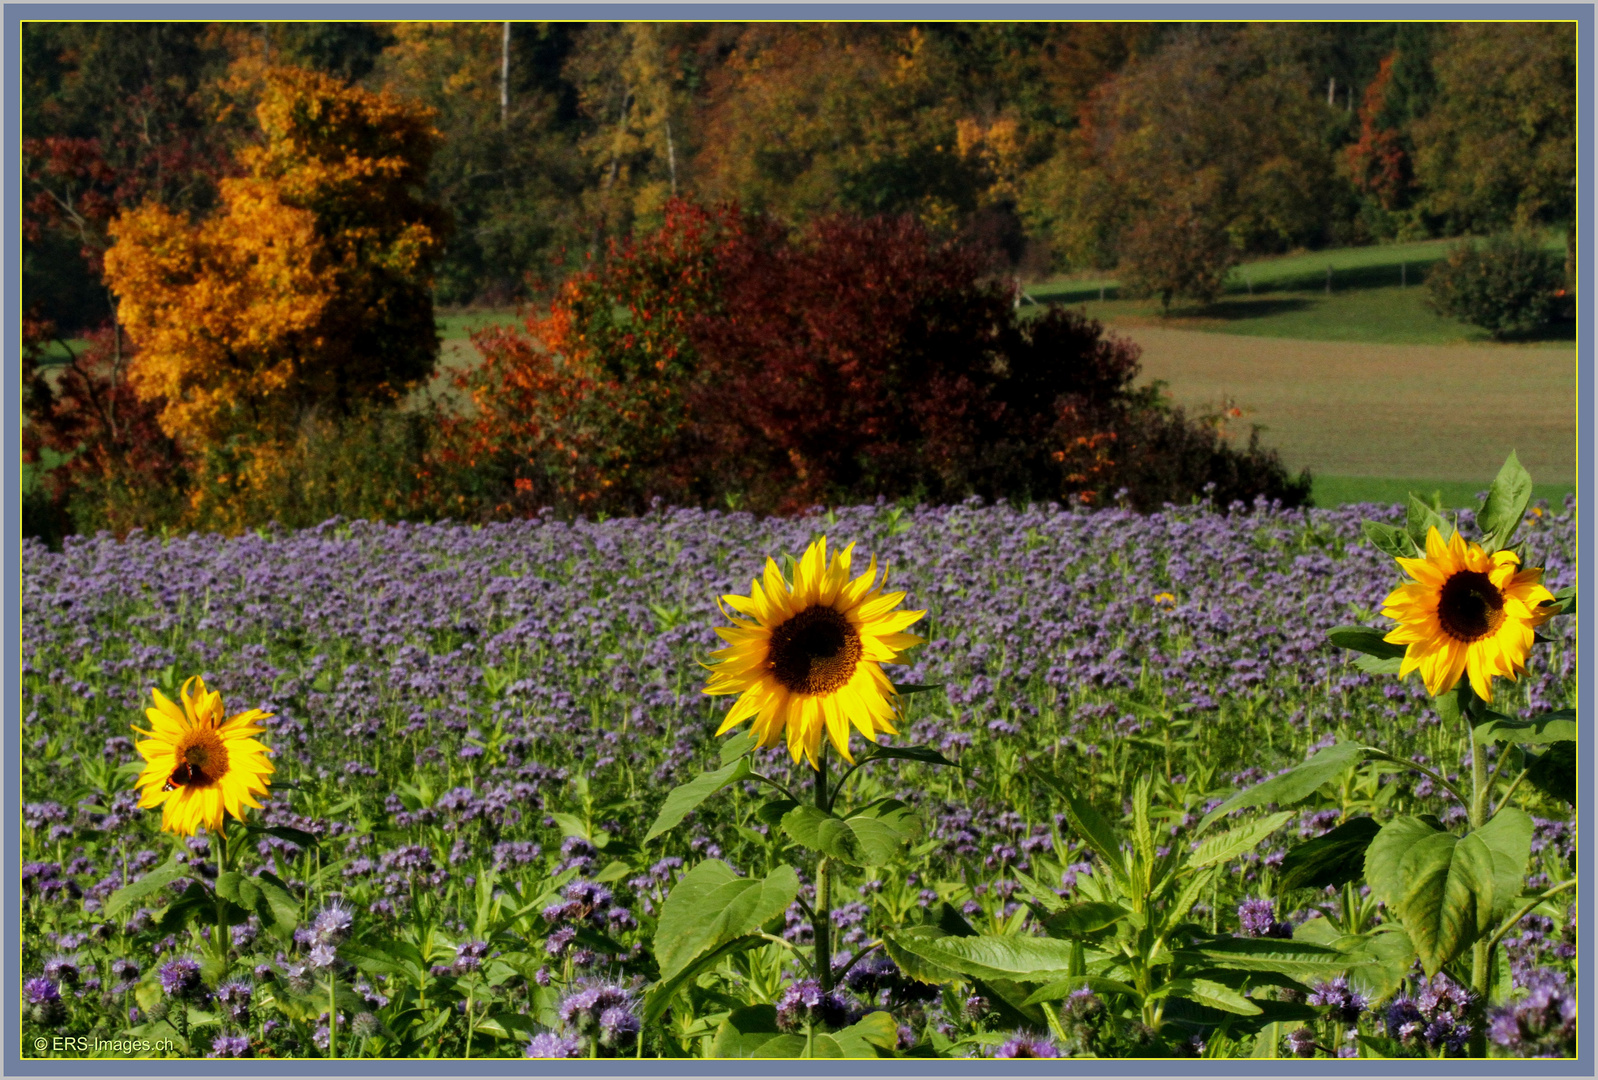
(1176, 253)
(727, 360)
(1508, 286)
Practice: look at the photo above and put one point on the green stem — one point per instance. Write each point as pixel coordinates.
(1479, 788)
(221, 931)
(1509, 924)
(332, 1017)
(1513, 787)
(822, 925)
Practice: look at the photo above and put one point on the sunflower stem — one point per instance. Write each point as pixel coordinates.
(822, 925)
(221, 931)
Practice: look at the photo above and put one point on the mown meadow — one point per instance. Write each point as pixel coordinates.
(475, 843)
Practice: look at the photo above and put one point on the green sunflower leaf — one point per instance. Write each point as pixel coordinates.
(1295, 784)
(906, 689)
(711, 906)
(912, 753)
(1566, 599)
(1505, 506)
(1445, 889)
(1365, 639)
(737, 746)
(159, 878)
(1389, 539)
(1373, 665)
(685, 797)
(1551, 727)
(1333, 859)
(875, 835)
(298, 837)
(1554, 771)
(1420, 518)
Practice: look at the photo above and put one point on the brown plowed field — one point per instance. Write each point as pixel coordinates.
(1444, 412)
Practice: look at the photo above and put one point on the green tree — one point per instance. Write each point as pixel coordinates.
(1215, 134)
(1498, 147)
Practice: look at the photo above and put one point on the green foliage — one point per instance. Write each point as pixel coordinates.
(1506, 286)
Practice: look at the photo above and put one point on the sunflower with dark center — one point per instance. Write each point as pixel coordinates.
(807, 658)
(200, 764)
(1466, 612)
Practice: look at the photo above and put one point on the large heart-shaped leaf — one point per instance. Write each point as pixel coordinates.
(1439, 886)
(1507, 838)
(711, 906)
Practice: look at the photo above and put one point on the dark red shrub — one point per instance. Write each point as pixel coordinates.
(725, 359)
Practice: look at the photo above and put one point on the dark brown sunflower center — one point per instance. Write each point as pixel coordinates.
(815, 652)
(1470, 607)
(200, 764)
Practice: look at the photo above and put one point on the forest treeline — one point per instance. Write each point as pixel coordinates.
(1062, 146)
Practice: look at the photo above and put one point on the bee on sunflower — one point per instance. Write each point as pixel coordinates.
(199, 763)
(806, 658)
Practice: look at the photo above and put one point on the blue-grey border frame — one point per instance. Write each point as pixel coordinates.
(15, 14)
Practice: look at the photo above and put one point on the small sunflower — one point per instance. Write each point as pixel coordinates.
(1466, 611)
(808, 658)
(198, 763)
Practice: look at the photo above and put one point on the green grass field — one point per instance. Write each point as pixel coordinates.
(1377, 296)
(1454, 494)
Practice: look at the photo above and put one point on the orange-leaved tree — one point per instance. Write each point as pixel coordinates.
(308, 290)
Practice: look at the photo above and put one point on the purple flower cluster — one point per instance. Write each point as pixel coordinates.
(180, 979)
(1344, 1003)
(604, 1012)
(1257, 918)
(1440, 1016)
(452, 683)
(1542, 1020)
(1022, 1045)
(805, 1002)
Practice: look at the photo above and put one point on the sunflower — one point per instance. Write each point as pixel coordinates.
(808, 658)
(1466, 611)
(198, 764)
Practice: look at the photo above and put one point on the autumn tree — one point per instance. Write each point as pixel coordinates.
(1210, 131)
(308, 289)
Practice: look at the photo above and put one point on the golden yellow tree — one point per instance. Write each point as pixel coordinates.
(308, 290)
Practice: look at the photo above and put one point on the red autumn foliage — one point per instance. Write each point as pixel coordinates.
(115, 463)
(727, 359)
(1377, 162)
